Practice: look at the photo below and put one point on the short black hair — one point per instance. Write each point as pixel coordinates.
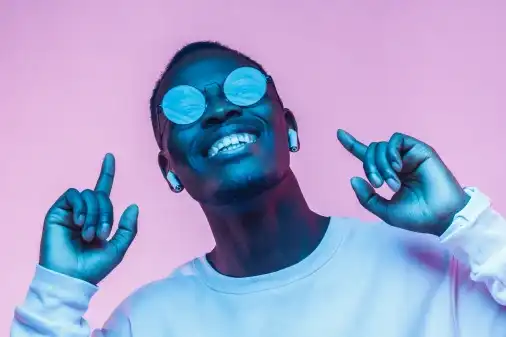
(186, 50)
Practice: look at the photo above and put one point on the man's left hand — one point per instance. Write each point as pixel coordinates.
(427, 195)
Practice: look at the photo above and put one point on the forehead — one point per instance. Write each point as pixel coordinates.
(201, 68)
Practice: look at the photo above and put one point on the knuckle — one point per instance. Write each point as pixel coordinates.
(368, 153)
(371, 149)
(106, 172)
(71, 190)
(88, 192)
(101, 194)
(425, 149)
(429, 148)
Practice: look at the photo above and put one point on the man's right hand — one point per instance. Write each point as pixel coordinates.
(76, 229)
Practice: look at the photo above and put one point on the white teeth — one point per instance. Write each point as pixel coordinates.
(231, 142)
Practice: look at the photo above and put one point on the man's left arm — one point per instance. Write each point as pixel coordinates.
(428, 199)
(477, 236)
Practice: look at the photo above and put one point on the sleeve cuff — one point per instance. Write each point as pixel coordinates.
(57, 297)
(477, 232)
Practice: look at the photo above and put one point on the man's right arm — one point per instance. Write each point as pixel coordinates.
(55, 305)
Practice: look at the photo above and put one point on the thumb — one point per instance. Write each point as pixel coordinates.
(125, 234)
(369, 199)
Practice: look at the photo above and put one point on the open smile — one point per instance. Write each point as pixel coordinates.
(230, 140)
(231, 144)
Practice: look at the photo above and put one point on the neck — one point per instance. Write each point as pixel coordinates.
(266, 233)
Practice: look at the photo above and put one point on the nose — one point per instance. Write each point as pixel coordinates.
(219, 109)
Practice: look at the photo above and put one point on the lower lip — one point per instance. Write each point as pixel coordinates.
(232, 153)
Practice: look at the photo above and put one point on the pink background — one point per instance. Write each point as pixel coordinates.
(76, 77)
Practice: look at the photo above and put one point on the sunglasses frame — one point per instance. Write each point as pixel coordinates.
(159, 109)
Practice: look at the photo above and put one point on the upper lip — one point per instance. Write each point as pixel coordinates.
(227, 131)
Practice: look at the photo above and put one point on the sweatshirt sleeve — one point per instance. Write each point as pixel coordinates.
(477, 237)
(55, 306)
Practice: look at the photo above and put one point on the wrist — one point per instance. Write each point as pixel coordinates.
(62, 280)
(477, 204)
(445, 223)
(57, 297)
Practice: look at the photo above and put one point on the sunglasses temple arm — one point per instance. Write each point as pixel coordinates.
(159, 125)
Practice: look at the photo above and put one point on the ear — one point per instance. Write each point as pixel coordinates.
(291, 130)
(291, 123)
(164, 162)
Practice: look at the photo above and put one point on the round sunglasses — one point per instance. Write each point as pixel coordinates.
(185, 104)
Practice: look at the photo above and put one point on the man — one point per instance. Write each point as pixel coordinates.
(278, 268)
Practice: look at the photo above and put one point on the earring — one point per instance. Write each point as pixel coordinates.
(174, 182)
(293, 140)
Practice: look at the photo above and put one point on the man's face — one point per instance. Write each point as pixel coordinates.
(225, 176)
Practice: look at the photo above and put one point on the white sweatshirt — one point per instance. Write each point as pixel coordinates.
(362, 280)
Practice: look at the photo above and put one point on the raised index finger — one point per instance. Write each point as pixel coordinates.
(106, 178)
(353, 146)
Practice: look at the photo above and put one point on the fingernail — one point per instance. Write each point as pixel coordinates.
(396, 166)
(104, 231)
(376, 180)
(88, 234)
(393, 184)
(80, 220)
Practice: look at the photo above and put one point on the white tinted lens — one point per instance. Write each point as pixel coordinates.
(245, 86)
(183, 104)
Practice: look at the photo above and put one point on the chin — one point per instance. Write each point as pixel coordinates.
(241, 187)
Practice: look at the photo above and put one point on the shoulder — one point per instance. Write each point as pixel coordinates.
(180, 290)
(395, 244)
